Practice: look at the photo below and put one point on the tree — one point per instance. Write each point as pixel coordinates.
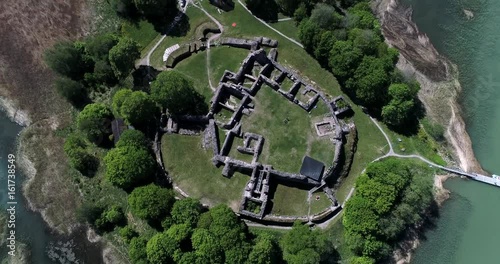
(132, 138)
(128, 233)
(401, 106)
(102, 75)
(152, 9)
(128, 166)
(188, 258)
(344, 59)
(72, 91)
(173, 91)
(366, 40)
(265, 251)
(79, 158)
(68, 59)
(309, 34)
(122, 57)
(301, 242)
(138, 108)
(151, 202)
(362, 260)
(322, 51)
(161, 249)
(137, 250)
(264, 9)
(326, 17)
(226, 227)
(99, 46)
(186, 211)
(119, 98)
(207, 247)
(288, 7)
(370, 81)
(300, 13)
(95, 122)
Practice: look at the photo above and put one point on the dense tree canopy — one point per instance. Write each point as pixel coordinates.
(161, 249)
(138, 108)
(137, 250)
(99, 46)
(79, 158)
(390, 196)
(265, 250)
(95, 122)
(72, 91)
(123, 55)
(132, 138)
(173, 91)
(301, 242)
(151, 202)
(127, 167)
(186, 211)
(68, 59)
(401, 107)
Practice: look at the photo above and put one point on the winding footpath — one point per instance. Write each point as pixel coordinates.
(209, 42)
(146, 60)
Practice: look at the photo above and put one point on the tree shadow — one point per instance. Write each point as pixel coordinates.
(225, 5)
(264, 9)
(170, 23)
(143, 76)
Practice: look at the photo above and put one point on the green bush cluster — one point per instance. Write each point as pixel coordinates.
(91, 66)
(391, 196)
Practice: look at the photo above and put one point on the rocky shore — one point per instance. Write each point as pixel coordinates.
(437, 76)
(440, 89)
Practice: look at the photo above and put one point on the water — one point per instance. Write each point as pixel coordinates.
(30, 229)
(468, 230)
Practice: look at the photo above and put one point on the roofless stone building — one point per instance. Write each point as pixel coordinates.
(235, 94)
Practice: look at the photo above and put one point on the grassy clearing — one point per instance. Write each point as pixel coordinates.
(192, 170)
(225, 58)
(287, 128)
(196, 18)
(421, 144)
(290, 201)
(317, 206)
(336, 231)
(142, 32)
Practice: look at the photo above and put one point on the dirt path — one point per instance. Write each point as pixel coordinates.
(209, 41)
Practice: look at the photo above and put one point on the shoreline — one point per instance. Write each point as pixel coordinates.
(438, 78)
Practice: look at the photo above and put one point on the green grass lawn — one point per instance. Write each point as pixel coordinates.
(288, 28)
(142, 32)
(290, 201)
(225, 58)
(287, 129)
(318, 206)
(194, 67)
(191, 169)
(196, 18)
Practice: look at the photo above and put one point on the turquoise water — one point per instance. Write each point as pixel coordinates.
(468, 230)
(30, 229)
